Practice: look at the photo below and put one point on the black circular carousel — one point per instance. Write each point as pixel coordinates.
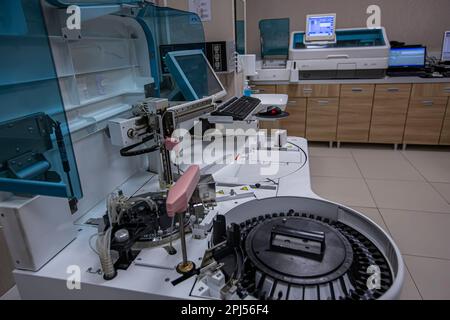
(293, 256)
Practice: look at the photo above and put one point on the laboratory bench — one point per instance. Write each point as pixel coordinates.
(403, 110)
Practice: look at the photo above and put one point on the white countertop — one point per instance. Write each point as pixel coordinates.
(386, 80)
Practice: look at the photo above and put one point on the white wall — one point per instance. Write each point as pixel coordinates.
(411, 21)
(221, 27)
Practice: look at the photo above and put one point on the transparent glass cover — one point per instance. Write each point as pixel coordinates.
(36, 155)
(169, 30)
(274, 37)
(347, 39)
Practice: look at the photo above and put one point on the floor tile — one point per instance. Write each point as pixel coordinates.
(384, 164)
(443, 189)
(318, 151)
(334, 167)
(434, 166)
(12, 294)
(374, 215)
(407, 195)
(409, 290)
(431, 276)
(350, 192)
(419, 234)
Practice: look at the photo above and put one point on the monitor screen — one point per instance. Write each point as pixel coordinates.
(321, 27)
(413, 57)
(194, 75)
(446, 47)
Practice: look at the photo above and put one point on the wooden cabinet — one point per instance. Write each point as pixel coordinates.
(295, 124)
(431, 90)
(264, 89)
(309, 91)
(321, 119)
(445, 134)
(390, 108)
(425, 119)
(313, 110)
(367, 113)
(442, 89)
(355, 112)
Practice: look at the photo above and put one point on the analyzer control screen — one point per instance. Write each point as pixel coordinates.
(321, 26)
(200, 75)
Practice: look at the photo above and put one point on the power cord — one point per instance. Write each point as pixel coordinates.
(127, 152)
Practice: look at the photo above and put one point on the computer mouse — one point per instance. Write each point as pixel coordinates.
(274, 111)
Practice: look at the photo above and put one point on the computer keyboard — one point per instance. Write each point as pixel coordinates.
(238, 108)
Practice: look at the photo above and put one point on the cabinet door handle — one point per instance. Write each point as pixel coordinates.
(323, 102)
(307, 89)
(357, 90)
(393, 90)
(447, 90)
(292, 102)
(428, 103)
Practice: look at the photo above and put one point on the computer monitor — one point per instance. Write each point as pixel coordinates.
(320, 28)
(194, 75)
(408, 57)
(446, 47)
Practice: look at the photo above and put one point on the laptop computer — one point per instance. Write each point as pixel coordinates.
(407, 61)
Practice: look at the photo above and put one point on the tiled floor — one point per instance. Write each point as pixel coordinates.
(407, 193)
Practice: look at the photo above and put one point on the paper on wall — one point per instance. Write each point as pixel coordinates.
(202, 8)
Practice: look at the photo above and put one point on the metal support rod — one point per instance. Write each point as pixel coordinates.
(183, 239)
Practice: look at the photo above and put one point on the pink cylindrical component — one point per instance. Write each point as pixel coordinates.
(180, 194)
(171, 143)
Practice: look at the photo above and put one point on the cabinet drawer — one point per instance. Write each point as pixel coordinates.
(390, 109)
(394, 91)
(313, 91)
(431, 90)
(357, 91)
(443, 89)
(321, 119)
(445, 135)
(354, 119)
(264, 89)
(295, 124)
(424, 122)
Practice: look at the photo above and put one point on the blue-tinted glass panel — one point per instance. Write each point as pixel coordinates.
(240, 37)
(36, 155)
(165, 27)
(348, 39)
(274, 37)
(91, 2)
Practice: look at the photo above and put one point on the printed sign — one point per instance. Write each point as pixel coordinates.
(202, 8)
